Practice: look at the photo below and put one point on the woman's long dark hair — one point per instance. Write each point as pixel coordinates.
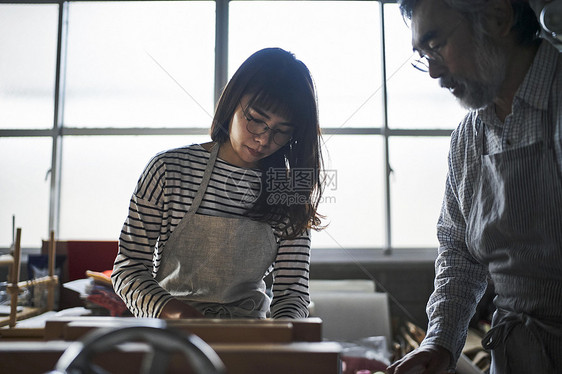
(274, 80)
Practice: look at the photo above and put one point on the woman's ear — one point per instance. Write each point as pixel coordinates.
(499, 18)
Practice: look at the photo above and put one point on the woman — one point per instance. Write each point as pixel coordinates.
(208, 222)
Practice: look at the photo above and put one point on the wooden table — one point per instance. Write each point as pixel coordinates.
(244, 346)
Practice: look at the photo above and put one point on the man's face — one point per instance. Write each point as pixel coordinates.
(470, 65)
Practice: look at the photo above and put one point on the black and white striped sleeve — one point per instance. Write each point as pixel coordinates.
(290, 279)
(132, 275)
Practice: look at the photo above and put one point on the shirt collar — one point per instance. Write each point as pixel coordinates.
(536, 86)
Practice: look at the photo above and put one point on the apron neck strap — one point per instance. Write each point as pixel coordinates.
(206, 178)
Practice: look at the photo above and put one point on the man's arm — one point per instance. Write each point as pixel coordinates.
(460, 280)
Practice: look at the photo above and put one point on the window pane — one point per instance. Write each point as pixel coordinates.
(148, 64)
(24, 163)
(415, 101)
(28, 41)
(99, 175)
(353, 197)
(417, 185)
(339, 41)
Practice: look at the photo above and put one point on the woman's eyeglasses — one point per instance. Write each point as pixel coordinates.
(259, 127)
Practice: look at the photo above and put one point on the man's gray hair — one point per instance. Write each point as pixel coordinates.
(525, 25)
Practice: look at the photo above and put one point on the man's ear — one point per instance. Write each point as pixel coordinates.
(499, 17)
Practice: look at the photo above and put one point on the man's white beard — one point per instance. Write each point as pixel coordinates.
(491, 64)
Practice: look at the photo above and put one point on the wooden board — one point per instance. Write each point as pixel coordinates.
(310, 358)
(210, 330)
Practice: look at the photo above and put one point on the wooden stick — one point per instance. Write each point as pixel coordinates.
(51, 285)
(411, 341)
(37, 281)
(52, 254)
(13, 288)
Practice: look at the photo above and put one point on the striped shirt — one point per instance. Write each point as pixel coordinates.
(163, 195)
(461, 280)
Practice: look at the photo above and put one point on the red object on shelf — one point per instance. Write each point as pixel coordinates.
(90, 255)
(82, 255)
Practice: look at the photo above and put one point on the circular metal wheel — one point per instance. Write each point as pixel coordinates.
(162, 344)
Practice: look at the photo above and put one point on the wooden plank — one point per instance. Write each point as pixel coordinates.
(37, 334)
(239, 332)
(54, 328)
(300, 357)
(210, 330)
(306, 329)
(30, 357)
(310, 358)
(303, 329)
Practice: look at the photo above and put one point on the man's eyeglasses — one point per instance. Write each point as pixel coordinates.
(422, 62)
(259, 127)
(432, 54)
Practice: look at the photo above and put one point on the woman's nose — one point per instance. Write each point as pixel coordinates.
(263, 138)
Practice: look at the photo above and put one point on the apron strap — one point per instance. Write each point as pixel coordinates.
(205, 181)
(499, 334)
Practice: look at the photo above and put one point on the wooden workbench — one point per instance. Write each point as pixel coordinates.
(244, 346)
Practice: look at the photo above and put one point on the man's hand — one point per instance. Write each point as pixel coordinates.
(175, 309)
(425, 360)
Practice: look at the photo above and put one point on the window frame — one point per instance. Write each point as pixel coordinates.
(58, 131)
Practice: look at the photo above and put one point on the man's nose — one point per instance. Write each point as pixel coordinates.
(436, 69)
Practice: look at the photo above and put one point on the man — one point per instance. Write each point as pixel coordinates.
(502, 211)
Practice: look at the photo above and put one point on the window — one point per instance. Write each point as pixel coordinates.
(415, 101)
(25, 187)
(139, 77)
(418, 160)
(99, 176)
(140, 64)
(28, 41)
(29, 44)
(341, 60)
(339, 41)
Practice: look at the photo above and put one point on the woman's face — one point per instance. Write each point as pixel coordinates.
(255, 133)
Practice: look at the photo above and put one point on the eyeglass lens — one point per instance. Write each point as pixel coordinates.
(259, 128)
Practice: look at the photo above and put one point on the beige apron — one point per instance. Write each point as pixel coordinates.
(217, 264)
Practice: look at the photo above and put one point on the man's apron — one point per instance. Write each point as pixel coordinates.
(217, 264)
(515, 227)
